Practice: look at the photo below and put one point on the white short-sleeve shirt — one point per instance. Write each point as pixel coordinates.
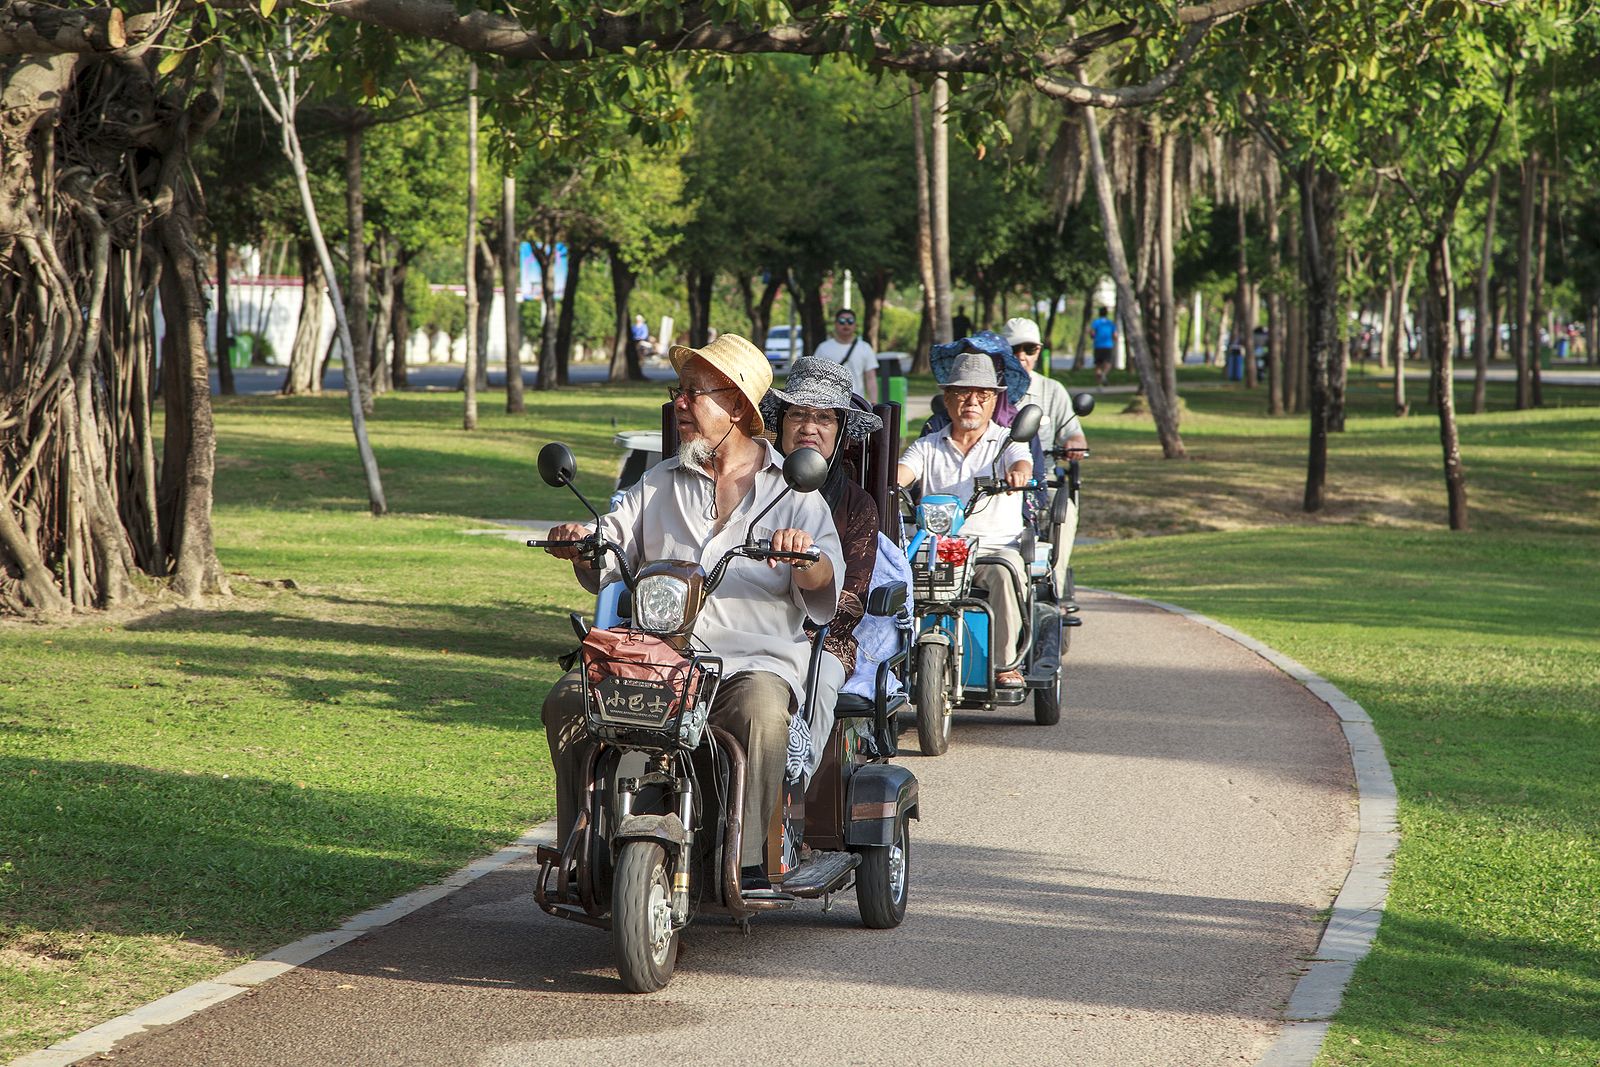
(996, 521)
(863, 361)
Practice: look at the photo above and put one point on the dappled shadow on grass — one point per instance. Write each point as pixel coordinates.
(237, 862)
(498, 629)
(398, 665)
(1456, 992)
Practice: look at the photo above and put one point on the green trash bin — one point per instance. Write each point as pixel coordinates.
(242, 351)
(896, 394)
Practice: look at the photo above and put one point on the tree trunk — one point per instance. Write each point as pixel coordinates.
(545, 256)
(1522, 349)
(1080, 350)
(224, 332)
(383, 318)
(1244, 321)
(1296, 385)
(1275, 324)
(358, 358)
(1161, 404)
(487, 269)
(358, 422)
(920, 358)
(576, 254)
(1537, 314)
(1167, 315)
(942, 329)
(874, 290)
(402, 321)
(469, 374)
(510, 274)
(1402, 303)
(1319, 201)
(625, 363)
(1441, 322)
(302, 377)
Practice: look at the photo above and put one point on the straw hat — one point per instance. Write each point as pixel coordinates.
(820, 383)
(739, 361)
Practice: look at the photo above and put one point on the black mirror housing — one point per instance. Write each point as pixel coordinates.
(805, 470)
(556, 465)
(1082, 404)
(887, 600)
(1025, 427)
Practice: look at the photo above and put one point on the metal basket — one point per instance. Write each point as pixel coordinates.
(938, 582)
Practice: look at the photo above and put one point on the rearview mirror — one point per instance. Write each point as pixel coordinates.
(1025, 427)
(805, 470)
(1082, 404)
(556, 465)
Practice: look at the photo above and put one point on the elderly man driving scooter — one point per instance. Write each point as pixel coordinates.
(698, 505)
(974, 446)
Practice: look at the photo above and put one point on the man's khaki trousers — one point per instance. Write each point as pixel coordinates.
(754, 706)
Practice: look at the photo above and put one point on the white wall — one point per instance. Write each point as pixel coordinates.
(271, 306)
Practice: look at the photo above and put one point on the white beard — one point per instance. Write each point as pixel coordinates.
(697, 453)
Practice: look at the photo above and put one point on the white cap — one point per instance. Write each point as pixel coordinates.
(1020, 332)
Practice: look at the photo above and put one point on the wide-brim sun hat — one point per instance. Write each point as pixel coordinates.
(736, 359)
(943, 358)
(820, 383)
(1020, 331)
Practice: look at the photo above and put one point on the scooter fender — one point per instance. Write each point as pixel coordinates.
(879, 794)
(667, 829)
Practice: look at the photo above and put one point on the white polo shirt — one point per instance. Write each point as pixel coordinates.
(996, 521)
(862, 362)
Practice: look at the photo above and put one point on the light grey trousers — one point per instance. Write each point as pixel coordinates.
(754, 706)
(1005, 610)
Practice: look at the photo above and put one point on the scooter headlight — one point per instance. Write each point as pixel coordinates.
(938, 518)
(660, 603)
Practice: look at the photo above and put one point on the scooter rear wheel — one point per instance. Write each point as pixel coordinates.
(641, 918)
(932, 697)
(884, 878)
(1047, 702)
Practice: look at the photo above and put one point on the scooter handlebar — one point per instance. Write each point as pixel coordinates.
(763, 550)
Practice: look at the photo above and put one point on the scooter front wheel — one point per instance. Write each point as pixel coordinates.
(641, 918)
(932, 697)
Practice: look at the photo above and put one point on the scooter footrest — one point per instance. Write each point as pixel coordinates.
(822, 873)
(1010, 697)
(548, 854)
(1072, 620)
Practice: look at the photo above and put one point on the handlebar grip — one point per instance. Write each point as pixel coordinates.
(763, 550)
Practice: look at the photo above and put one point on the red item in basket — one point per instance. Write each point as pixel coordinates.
(952, 550)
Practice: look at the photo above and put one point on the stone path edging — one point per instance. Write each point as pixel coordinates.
(1358, 908)
(175, 1007)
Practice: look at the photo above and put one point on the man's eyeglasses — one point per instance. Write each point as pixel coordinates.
(961, 393)
(1032, 350)
(846, 320)
(675, 391)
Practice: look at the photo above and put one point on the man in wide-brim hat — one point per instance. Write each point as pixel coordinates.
(950, 460)
(699, 504)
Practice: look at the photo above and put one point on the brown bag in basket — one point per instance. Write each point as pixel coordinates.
(637, 677)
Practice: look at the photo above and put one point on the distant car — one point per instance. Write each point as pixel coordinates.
(777, 347)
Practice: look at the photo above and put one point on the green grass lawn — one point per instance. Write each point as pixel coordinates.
(186, 787)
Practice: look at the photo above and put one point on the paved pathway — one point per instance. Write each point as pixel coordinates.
(1137, 885)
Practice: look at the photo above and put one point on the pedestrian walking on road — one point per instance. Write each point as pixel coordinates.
(852, 353)
(1105, 345)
